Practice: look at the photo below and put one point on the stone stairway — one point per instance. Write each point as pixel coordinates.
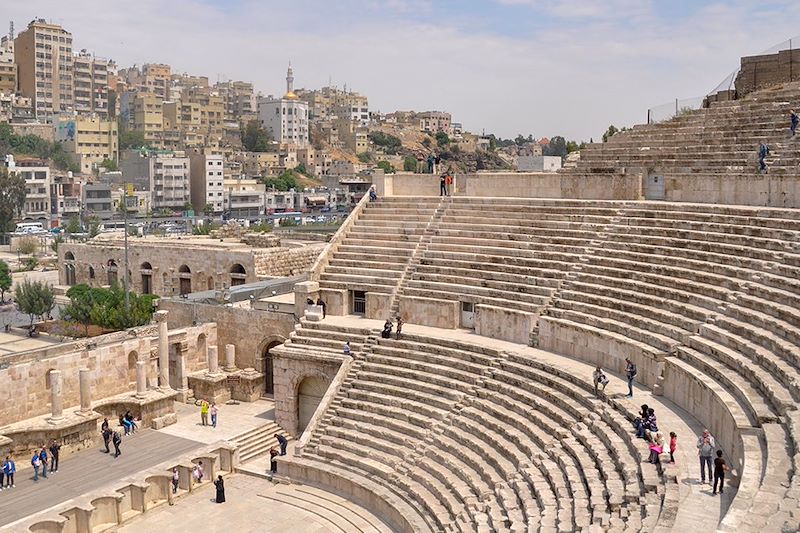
(258, 441)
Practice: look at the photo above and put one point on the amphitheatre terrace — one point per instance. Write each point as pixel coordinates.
(663, 246)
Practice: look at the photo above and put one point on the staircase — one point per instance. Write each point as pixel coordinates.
(419, 251)
(258, 441)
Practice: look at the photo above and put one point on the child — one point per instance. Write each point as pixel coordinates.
(719, 472)
(673, 445)
(655, 452)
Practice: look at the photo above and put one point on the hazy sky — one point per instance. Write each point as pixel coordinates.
(503, 66)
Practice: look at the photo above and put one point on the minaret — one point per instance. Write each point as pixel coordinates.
(289, 79)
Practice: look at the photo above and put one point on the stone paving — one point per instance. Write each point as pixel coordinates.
(233, 420)
(11, 343)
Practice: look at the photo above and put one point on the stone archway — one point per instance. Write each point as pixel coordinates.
(264, 357)
(201, 350)
(310, 391)
(133, 357)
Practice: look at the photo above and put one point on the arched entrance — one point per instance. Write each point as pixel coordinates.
(238, 275)
(267, 367)
(111, 271)
(69, 274)
(201, 352)
(309, 395)
(185, 275)
(147, 278)
(133, 356)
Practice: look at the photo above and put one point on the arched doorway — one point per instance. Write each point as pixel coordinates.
(69, 274)
(267, 367)
(111, 270)
(185, 276)
(309, 395)
(238, 275)
(132, 358)
(147, 278)
(201, 353)
(210, 283)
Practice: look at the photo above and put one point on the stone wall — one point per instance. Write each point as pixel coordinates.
(758, 72)
(506, 324)
(429, 312)
(297, 235)
(251, 331)
(754, 189)
(261, 240)
(282, 262)
(25, 390)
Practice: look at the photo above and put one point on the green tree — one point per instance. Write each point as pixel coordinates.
(255, 138)
(426, 142)
(28, 245)
(94, 226)
(389, 143)
(110, 165)
(34, 298)
(12, 198)
(208, 210)
(30, 263)
(410, 163)
(107, 307)
(73, 225)
(81, 303)
(387, 167)
(129, 138)
(287, 180)
(54, 245)
(610, 132)
(442, 139)
(557, 147)
(5, 280)
(364, 157)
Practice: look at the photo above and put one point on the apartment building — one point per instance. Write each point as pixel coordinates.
(243, 198)
(153, 78)
(207, 177)
(239, 100)
(148, 117)
(91, 83)
(43, 53)
(8, 67)
(88, 139)
(36, 174)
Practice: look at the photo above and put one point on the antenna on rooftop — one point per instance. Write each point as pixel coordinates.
(11, 30)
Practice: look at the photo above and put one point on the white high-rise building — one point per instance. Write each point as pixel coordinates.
(286, 118)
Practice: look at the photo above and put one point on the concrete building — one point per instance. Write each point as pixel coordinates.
(434, 121)
(207, 177)
(65, 198)
(91, 83)
(36, 174)
(97, 200)
(8, 67)
(148, 117)
(243, 198)
(44, 67)
(153, 78)
(286, 118)
(89, 140)
(239, 100)
(541, 163)
(167, 175)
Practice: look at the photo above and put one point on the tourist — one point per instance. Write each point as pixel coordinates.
(273, 460)
(55, 449)
(198, 472)
(346, 348)
(126, 422)
(283, 442)
(204, 412)
(220, 489)
(387, 329)
(442, 185)
(3, 474)
(719, 472)
(176, 480)
(9, 468)
(705, 449)
(630, 373)
(640, 421)
(36, 463)
(763, 152)
(656, 448)
(399, 327)
(321, 303)
(309, 301)
(106, 436)
(372, 194)
(599, 379)
(793, 121)
(116, 439)
(43, 459)
(213, 410)
(131, 421)
(104, 425)
(673, 445)
(651, 424)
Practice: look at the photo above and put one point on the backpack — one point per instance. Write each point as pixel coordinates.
(632, 370)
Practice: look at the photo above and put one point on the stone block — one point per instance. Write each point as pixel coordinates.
(430, 312)
(160, 422)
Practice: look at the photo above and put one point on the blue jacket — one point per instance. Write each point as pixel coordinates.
(43, 456)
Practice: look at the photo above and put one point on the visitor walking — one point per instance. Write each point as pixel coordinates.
(794, 119)
(346, 348)
(630, 373)
(198, 472)
(43, 460)
(442, 185)
(399, 327)
(220, 489)
(283, 442)
(705, 450)
(321, 303)
(55, 449)
(763, 152)
(176, 480)
(719, 472)
(214, 411)
(599, 379)
(9, 468)
(36, 463)
(204, 412)
(673, 445)
(273, 460)
(106, 436)
(116, 440)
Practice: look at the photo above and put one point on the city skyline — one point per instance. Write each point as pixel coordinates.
(505, 67)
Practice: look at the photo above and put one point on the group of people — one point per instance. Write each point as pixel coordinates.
(389, 325)
(40, 460)
(646, 425)
(321, 303)
(763, 147)
(283, 442)
(600, 379)
(198, 473)
(110, 436)
(208, 409)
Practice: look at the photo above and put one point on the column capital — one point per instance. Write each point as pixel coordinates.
(161, 316)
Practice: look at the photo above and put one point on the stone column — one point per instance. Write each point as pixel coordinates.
(181, 377)
(213, 360)
(230, 358)
(141, 378)
(163, 350)
(56, 401)
(85, 380)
